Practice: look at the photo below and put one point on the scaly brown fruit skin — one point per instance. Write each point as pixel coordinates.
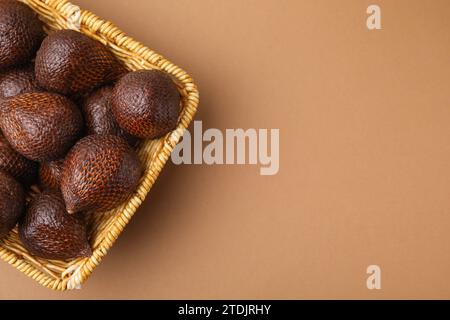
(21, 33)
(98, 115)
(41, 126)
(100, 172)
(71, 63)
(50, 174)
(16, 81)
(12, 203)
(146, 103)
(49, 232)
(15, 164)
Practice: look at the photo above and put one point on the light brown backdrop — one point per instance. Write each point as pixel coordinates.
(365, 155)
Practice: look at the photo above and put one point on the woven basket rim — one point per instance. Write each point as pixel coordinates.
(106, 32)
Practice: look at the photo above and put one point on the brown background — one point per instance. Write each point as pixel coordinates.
(365, 149)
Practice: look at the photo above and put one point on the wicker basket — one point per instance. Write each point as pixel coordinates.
(65, 275)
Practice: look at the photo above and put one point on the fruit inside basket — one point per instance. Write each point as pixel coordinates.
(89, 118)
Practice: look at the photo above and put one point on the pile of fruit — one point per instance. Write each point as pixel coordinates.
(70, 117)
